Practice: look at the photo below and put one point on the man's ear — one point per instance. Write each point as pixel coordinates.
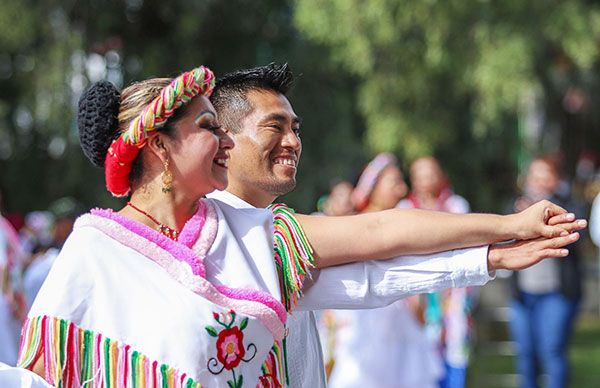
(158, 147)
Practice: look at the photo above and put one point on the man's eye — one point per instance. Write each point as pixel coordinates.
(298, 132)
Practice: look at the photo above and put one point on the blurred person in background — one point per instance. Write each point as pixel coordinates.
(339, 200)
(446, 314)
(11, 300)
(337, 203)
(384, 347)
(545, 296)
(64, 211)
(36, 233)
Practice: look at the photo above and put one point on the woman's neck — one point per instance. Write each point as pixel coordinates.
(428, 200)
(150, 207)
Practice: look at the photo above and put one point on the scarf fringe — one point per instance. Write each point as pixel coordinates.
(293, 254)
(74, 357)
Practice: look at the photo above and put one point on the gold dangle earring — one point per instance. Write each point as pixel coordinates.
(167, 178)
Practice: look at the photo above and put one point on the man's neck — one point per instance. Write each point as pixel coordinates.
(251, 196)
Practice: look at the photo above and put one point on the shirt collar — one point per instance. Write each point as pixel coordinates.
(230, 199)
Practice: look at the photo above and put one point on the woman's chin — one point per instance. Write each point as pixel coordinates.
(221, 184)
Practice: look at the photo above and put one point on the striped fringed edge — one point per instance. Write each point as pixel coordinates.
(274, 369)
(74, 357)
(293, 254)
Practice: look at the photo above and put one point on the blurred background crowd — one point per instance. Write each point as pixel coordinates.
(451, 105)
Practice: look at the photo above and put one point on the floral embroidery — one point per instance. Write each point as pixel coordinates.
(230, 346)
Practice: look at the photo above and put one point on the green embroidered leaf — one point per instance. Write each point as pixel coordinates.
(231, 384)
(244, 323)
(211, 331)
(240, 381)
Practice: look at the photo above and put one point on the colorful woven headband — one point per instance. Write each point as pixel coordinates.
(123, 151)
(368, 179)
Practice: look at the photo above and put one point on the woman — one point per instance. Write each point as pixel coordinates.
(395, 353)
(546, 296)
(128, 300)
(447, 314)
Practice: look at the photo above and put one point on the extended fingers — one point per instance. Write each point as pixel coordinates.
(559, 242)
(563, 229)
(561, 218)
(551, 210)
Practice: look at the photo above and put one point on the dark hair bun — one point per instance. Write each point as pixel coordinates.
(97, 120)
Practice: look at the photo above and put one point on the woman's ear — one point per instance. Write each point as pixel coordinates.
(158, 147)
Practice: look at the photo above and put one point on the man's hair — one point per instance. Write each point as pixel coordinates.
(230, 94)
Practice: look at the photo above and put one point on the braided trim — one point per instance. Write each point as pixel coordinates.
(293, 254)
(179, 92)
(124, 150)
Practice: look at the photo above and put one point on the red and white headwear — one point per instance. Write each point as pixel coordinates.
(123, 151)
(368, 178)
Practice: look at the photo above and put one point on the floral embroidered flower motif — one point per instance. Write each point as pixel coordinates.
(230, 347)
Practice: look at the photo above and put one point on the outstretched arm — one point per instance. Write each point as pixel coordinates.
(390, 233)
(371, 284)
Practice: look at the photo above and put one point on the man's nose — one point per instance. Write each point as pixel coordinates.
(291, 140)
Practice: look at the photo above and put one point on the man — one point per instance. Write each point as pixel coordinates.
(252, 107)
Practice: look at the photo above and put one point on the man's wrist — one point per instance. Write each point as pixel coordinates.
(492, 259)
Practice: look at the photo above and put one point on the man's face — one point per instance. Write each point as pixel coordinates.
(267, 150)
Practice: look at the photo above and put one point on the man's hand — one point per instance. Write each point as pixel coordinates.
(543, 219)
(518, 255)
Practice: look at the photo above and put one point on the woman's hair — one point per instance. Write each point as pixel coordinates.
(104, 114)
(114, 127)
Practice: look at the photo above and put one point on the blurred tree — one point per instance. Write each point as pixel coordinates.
(52, 50)
(482, 84)
(475, 79)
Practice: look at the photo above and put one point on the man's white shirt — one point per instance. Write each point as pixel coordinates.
(360, 285)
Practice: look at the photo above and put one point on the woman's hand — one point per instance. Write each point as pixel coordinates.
(543, 219)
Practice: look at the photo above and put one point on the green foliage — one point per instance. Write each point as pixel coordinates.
(435, 76)
(442, 77)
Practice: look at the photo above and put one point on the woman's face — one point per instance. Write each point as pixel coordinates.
(426, 177)
(199, 151)
(389, 189)
(542, 179)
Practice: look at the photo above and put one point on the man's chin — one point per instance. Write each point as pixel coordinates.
(283, 187)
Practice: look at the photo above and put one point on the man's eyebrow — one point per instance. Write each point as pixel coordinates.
(280, 117)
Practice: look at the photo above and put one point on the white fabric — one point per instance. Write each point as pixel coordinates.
(36, 274)
(402, 358)
(110, 288)
(9, 330)
(242, 254)
(595, 221)
(8, 326)
(20, 378)
(359, 285)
